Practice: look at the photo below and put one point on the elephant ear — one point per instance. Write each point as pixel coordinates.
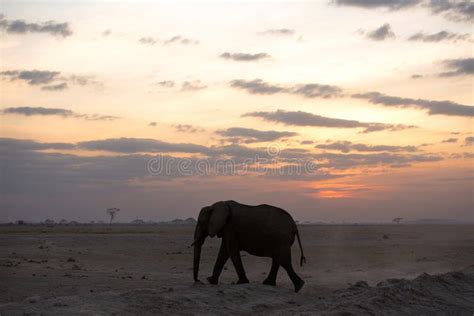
(219, 215)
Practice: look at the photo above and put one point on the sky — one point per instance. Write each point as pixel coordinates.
(335, 110)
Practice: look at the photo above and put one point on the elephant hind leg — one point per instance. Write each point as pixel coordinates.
(285, 261)
(271, 278)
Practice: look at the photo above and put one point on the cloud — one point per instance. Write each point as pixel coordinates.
(193, 85)
(469, 141)
(458, 11)
(181, 40)
(386, 4)
(416, 76)
(244, 56)
(166, 84)
(106, 33)
(22, 27)
(347, 146)
(82, 80)
(433, 107)
(56, 87)
(137, 145)
(153, 124)
(148, 41)
(438, 37)
(186, 128)
(310, 90)
(42, 111)
(278, 32)
(299, 118)
(49, 80)
(454, 10)
(382, 33)
(13, 144)
(178, 39)
(32, 77)
(250, 135)
(348, 161)
(449, 141)
(458, 67)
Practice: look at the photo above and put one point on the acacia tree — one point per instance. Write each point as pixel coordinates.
(397, 220)
(112, 211)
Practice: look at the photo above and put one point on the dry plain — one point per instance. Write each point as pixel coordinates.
(147, 269)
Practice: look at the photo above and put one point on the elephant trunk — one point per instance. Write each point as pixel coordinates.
(198, 241)
(197, 258)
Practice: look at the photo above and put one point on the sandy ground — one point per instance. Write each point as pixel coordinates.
(126, 269)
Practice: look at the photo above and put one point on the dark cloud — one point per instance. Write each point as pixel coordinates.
(454, 10)
(433, 107)
(244, 56)
(416, 76)
(438, 37)
(469, 141)
(56, 87)
(13, 144)
(307, 142)
(250, 135)
(310, 90)
(458, 10)
(137, 145)
(42, 111)
(192, 85)
(348, 161)
(299, 118)
(22, 27)
(347, 146)
(450, 140)
(50, 80)
(166, 84)
(32, 77)
(32, 111)
(257, 86)
(152, 124)
(382, 33)
(278, 32)
(458, 67)
(386, 4)
(186, 128)
(63, 185)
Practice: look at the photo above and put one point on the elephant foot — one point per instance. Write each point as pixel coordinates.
(243, 281)
(269, 282)
(298, 285)
(212, 280)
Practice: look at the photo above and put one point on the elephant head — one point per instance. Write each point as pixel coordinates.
(211, 220)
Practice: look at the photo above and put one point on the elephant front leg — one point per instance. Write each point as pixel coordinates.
(239, 268)
(222, 258)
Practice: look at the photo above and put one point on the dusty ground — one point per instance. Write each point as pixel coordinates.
(128, 269)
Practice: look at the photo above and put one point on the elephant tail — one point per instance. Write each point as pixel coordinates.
(302, 258)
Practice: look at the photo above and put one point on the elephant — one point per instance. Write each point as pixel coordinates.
(262, 230)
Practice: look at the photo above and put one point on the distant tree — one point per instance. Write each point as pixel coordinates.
(112, 211)
(397, 220)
